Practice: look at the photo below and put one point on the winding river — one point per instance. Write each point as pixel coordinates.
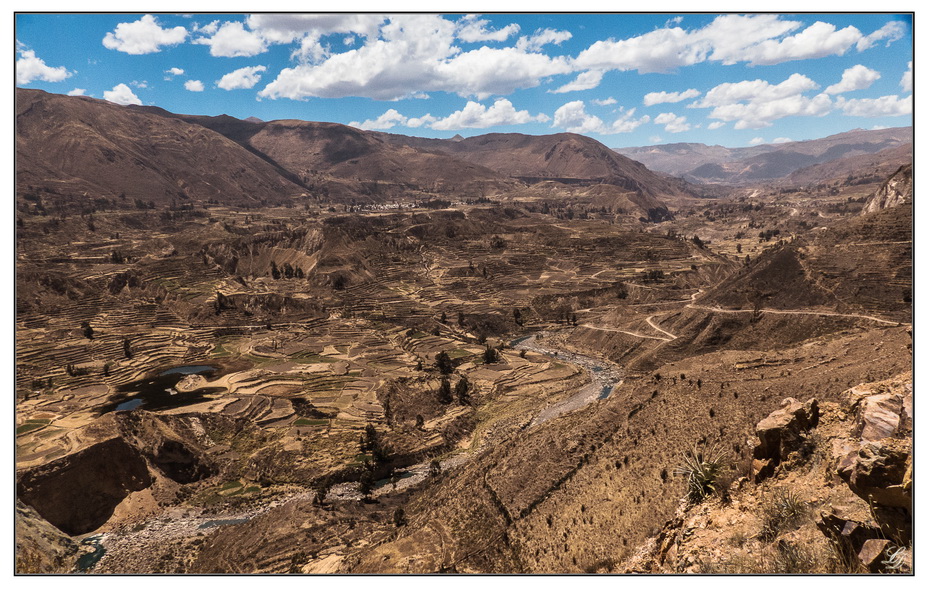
(604, 377)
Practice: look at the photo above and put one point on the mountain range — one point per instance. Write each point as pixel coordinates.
(76, 146)
(700, 163)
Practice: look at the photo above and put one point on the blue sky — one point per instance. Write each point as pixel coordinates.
(625, 80)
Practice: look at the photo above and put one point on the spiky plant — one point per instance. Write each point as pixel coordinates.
(702, 467)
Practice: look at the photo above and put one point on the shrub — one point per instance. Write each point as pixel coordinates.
(702, 468)
(785, 511)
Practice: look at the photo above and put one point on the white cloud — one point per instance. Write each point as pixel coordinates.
(426, 120)
(476, 115)
(471, 29)
(541, 38)
(415, 54)
(584, 81)
(604, 102)
(139, 84)
(309, 29)
(906, 82)
(756, 141)
(759, 39)
(174, 72)
(756, 103)
(194, 85)
(121, 94)
(885, 106)
(715, 125)
(207, 29)
(77, 92)
(143, 36)
(781, 140)
(232, 40)
(892, 31)
(385, 121)
(573, 117)
(655, 138)
(673, 123)
(242, 78)
(653, 98)
(818, 40)
(854, 78)
(29, 68)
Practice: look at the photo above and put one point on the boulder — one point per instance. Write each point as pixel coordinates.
(782, 433)
(878, 472)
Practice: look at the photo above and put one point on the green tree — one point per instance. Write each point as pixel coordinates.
(462, 391)
(445, 391)
(444, 363)
(491, 355)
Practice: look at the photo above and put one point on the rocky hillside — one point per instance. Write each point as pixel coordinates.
(861, 266)
(830, 492)
(897, 190)
(700, 163)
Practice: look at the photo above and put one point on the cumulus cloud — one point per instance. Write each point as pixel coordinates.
(29, 68)
(781, 140)
(472, 29)
(174, 72)
(242, 78)
(121, 94)
(906, 82)
(385, 121)
(77, 92)
(194, 85)
(584, 81)
(476, 115)
(541, 38)
(715, 125)
(892, 31)
(143, 36)
(415, 54)
(573, 117)
(756, 141)
(760, 39)
(885, 106)
(653, 98)
(818, 40)
(604, 101)
(757, 103)
(854, 78)
(233, 40)
(673, 123)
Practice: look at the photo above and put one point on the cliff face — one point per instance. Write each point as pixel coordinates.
(897, 190)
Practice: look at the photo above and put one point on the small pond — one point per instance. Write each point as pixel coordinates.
(158, 393)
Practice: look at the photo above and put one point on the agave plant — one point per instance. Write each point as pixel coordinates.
(702, 467)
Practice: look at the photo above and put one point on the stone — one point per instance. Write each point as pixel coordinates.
(877, 472)
(880, 416)
(872, 553)
(781, 434)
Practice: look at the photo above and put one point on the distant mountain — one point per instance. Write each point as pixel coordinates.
(701, 163)
(853, 168)
(563, 157)
(77, 146)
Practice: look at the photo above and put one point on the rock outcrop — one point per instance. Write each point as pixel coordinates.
(781, 434)
(897, 190)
